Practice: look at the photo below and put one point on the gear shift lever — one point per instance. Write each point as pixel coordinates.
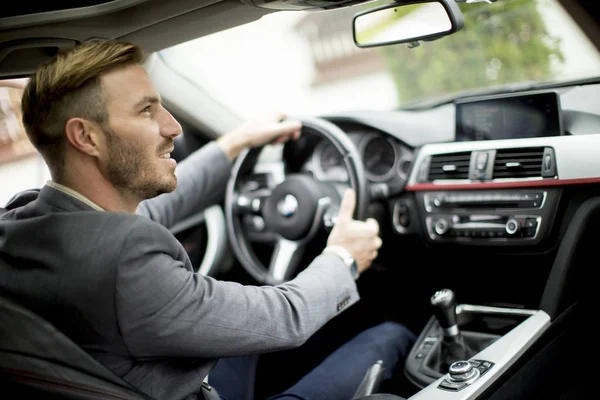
(453, 345)
(444, 309)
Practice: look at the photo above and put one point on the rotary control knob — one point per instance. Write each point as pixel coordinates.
(441, 226)
(512, 226)
(462, 371)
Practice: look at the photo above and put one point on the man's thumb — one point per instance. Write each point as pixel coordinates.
(348, 204)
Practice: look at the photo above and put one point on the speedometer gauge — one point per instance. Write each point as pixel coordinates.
(379, 157)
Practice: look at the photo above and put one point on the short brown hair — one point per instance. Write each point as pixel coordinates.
(66, 87)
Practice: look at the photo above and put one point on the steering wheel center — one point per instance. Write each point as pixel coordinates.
(291, 208)
(288, 206)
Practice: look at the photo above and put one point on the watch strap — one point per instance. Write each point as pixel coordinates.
(345, 256)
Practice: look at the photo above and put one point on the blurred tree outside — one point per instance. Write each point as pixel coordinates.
(501, 43)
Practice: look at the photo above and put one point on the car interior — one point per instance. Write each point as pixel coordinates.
(487, 204)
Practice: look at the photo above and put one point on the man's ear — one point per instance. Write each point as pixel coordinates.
(83, 135)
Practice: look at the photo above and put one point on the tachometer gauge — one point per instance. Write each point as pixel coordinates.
(331, 157)
(379, 157)
(328, 163)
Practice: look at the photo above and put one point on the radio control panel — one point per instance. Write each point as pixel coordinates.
(500, 217)
(483, 226)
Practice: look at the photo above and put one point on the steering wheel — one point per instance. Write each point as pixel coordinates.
(294, 208)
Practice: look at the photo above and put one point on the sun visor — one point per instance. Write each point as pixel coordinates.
(21, 57)
(314, 5)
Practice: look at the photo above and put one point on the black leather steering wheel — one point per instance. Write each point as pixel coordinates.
(294, 208)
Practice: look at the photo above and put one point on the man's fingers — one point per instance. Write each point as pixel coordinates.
(280, 139)
(286, 130)
(290, 126)
(378, 242)
(347, 206)
(297, 133)
(374, 225)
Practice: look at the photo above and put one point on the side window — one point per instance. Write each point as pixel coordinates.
(21, 166)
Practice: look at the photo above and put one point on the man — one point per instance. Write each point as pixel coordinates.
(91, 251)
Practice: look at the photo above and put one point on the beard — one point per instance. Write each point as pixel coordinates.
(131, 169)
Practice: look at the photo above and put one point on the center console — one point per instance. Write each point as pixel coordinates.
(462, 343)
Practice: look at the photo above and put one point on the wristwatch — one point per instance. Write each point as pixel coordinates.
(346, 257)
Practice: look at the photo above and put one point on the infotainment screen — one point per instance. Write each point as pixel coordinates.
(509, 117)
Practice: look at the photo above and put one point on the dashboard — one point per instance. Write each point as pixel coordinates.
(388, 160)
(487, 170)
(494, 210)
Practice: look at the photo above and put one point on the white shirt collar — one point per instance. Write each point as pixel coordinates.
(75, 194)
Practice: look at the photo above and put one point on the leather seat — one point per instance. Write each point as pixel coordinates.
(38, 360)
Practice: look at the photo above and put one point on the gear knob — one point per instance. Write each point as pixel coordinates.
(444, 308)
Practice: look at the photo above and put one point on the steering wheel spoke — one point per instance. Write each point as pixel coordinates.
(285, 259)
(250, 203)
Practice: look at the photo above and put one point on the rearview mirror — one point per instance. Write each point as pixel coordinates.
(406, 22)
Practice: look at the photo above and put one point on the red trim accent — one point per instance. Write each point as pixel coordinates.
(500, 185)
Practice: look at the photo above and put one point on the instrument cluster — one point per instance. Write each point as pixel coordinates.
(386, 160)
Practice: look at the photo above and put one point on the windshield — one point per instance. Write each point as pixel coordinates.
(307, 63)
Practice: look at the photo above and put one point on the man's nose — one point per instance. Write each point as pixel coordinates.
(170, 127)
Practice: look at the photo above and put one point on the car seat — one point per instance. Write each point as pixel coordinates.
(38, 360)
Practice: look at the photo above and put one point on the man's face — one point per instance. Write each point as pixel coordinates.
(139, 135)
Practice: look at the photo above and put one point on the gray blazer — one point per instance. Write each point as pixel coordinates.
(122, 286)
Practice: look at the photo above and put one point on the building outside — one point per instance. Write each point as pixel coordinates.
(21, 166)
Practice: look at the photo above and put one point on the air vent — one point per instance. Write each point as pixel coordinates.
(449, 166)
(518, 163)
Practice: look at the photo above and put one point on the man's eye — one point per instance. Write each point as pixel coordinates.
(147, 109)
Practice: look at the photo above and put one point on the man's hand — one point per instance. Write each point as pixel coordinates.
(255, 133)
(360, 238)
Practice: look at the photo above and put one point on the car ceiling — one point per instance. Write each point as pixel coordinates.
(153, 24)
(31, 34)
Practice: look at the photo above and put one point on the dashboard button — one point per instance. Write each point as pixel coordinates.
(512, 226)
(481, 161)
(530, 223)
(441, 226)
(454, 386)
